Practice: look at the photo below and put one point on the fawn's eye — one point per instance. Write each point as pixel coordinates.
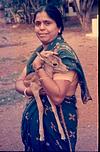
(55, 64)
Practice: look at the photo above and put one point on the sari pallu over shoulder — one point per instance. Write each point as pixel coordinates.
(70, 59)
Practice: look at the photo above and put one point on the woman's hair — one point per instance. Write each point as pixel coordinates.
(53, 13)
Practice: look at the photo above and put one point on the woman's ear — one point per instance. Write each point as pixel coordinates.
(59, 30)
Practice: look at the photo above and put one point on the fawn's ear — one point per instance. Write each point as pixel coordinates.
(38, 54)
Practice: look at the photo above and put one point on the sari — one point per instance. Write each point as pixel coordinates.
(68, 115)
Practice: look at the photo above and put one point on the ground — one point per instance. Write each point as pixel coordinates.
(17, 42)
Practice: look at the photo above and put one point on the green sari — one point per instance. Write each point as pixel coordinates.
(30, 121)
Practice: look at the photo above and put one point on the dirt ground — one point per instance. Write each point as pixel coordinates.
(16, 45)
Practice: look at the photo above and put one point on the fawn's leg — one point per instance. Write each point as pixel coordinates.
(61, 131)
(35, 90)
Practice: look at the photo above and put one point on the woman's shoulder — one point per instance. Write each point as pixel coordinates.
(65, 50)
(63, 47)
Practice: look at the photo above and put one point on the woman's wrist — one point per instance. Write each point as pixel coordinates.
(38, 68)
(26, 94)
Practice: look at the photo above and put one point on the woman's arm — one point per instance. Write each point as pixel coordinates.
(19, 85)
(56, 89)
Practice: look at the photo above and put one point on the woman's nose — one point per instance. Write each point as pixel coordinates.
(42, 26)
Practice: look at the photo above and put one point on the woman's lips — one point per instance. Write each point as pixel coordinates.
(43, 34)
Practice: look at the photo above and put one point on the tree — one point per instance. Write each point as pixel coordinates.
(84, 13)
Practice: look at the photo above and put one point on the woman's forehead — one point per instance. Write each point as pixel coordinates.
(42, 16)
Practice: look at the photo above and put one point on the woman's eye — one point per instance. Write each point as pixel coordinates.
(37, 23)
(47, 22)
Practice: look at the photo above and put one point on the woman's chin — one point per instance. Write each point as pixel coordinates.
(44, 41)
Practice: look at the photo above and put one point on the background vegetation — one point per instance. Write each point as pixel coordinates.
(22, 11)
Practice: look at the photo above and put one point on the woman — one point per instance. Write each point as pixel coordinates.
(60, 89)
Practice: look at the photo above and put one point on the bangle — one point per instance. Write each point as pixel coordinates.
(25, 93)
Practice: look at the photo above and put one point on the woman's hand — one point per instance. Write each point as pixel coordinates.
(28, 79)
(40, 59)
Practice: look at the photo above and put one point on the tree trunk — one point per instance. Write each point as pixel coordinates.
(84, 14)
(86, 23)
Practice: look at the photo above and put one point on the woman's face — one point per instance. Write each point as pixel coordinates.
(45, 28)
